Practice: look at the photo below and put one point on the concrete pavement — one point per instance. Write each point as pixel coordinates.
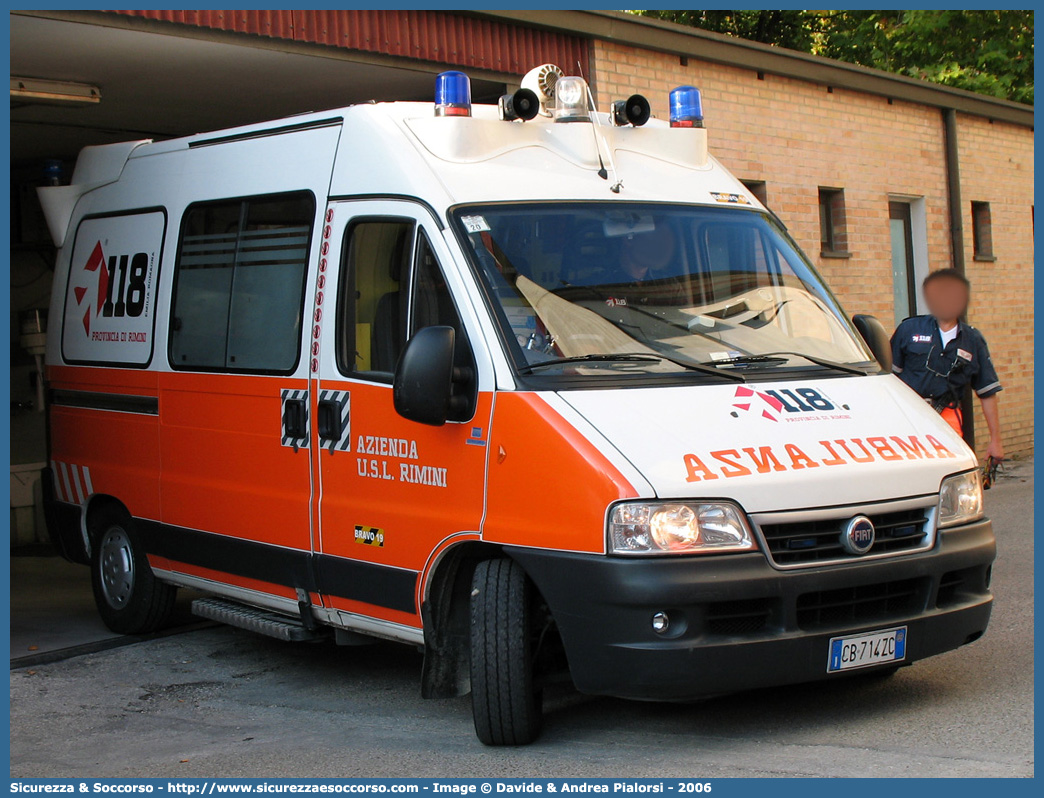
(53, 614)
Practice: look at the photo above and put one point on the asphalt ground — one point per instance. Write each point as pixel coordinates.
(220, 702)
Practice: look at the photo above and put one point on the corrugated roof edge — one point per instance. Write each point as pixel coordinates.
(670, 37)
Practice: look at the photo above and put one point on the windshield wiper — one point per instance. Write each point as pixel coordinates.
(774, 358)
(636, 357)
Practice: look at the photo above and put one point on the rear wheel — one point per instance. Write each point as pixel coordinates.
(505, 699)
(129, 597)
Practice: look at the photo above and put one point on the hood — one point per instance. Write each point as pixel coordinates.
(778, 446)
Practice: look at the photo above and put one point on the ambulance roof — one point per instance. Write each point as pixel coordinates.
(404, 149)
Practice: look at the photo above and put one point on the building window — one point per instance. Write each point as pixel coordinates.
(239, 284)
(833, 230)
(982, 231)
(758, 189)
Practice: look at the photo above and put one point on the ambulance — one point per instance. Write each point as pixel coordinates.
(540, 389)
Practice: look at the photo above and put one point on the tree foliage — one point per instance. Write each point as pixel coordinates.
(989, 52)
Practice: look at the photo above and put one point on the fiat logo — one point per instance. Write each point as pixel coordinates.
(857, 535)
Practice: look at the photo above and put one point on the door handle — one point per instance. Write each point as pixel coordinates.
(330, 423)
(295, 419)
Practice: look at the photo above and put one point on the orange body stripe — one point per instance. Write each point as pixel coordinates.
(121, 449)
(224, 468)
(418, 484)
(548, 486)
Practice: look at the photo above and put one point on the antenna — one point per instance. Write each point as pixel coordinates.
(600, 140)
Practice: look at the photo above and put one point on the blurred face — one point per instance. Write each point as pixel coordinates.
(645, 251)
(947, 299)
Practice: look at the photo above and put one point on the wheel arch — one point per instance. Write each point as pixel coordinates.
(97, 507)
(444, 612)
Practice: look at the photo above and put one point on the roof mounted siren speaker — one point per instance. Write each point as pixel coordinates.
(634, 110)
(523, 105)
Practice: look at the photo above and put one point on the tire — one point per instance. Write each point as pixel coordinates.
(129, 597)
(505, 700)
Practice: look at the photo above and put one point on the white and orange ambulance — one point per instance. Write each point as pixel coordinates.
(537, 388)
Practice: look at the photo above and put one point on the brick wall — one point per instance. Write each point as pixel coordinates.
(798, 136)
(997, 167)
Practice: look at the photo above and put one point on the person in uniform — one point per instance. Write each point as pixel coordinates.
(939, 355)
(642, 257)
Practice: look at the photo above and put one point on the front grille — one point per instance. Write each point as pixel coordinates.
(863, 604)
(811, 542)
(745, 616)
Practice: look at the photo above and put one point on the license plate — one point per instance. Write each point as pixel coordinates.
(870, 648)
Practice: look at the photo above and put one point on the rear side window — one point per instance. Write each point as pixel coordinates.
(239, 284)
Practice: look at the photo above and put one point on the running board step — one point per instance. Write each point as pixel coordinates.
(263, 622)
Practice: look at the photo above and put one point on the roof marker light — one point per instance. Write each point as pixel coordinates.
(452, 94)
(571, 100)
(686, 107)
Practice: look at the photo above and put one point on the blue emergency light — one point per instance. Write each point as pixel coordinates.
(686, 107)
(452, 94)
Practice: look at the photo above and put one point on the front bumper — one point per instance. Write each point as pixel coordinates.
(738, 623)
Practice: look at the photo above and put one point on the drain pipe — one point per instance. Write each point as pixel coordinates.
(953, 186)
(953, 191)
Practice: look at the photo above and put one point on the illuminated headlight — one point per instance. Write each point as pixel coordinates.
(676, 528)
(960, 499)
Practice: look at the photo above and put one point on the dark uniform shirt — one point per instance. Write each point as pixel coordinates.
(938, 373)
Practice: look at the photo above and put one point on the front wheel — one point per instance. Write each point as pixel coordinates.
(505, 700)
(129, 597)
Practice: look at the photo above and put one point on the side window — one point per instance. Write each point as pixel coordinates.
(383, 302)
(431, 305)
(373, 297)
(239, 284)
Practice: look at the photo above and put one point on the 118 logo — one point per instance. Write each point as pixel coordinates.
(121, 289)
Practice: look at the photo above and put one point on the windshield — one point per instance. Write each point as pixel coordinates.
(585, 288)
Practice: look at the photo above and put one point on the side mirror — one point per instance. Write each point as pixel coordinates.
(428, 387)
(876, 338)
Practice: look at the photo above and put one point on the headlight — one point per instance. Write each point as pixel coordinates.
(960, 499)
(676, 528)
